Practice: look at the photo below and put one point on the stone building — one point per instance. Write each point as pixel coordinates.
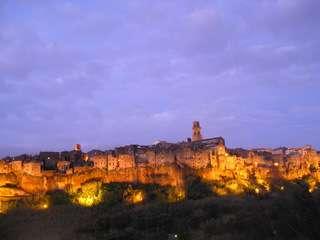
(5, 167)
(16, 166)
(49, 160)
(63, 166)
(195, 155)
(23, 158)
(126, 161)
(163, 163)
(94, 152)
(100, 161)
(65, 156)
(196, 131)
(76, 158)
(32, 168)
(77, 147)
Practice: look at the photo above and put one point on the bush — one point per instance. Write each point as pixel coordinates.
(59, 197)
(196, 189)
(90, 194)
(114, 193)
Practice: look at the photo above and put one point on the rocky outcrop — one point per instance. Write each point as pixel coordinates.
(166, 164)
(8, 179)
(9, 192)
(162, 175)
(32, 184)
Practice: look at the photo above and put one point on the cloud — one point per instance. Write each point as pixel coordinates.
(104, 73)
(203, 17)
(163, 116)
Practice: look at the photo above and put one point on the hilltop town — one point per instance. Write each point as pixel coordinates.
(162, 163)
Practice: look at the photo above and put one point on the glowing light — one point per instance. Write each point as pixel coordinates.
(3, 210)
(41, 204)
(86, 201)
(264, 184)
(256, 190)
(220, 191)
(176, 194)
(133, 195)
(276, 164)
(234, 188)
(181, 195)
(282, 188)
(89, 195)
(312, 184)
(137, 196)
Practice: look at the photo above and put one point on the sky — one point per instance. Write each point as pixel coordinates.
(109, 73)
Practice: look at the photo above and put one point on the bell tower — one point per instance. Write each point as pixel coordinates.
(196, 131)
(77, 147)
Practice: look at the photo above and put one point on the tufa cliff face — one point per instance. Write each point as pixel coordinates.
(167, 164)
(162, 175)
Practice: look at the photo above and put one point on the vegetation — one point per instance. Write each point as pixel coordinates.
(289, 211)
(91, 193)
(59, 197)
(290, 214)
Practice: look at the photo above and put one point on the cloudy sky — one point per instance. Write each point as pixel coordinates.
(108, 73)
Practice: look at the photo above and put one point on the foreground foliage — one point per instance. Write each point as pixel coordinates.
(133, 211)
(292, 214)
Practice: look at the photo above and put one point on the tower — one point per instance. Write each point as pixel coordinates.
(196, 131)
(77, 148)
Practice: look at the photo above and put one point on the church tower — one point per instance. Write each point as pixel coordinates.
(77, 147)
(196, 131)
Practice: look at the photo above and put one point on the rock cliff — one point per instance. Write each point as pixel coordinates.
(168, 164)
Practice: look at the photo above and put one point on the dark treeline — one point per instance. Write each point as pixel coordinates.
(292, 213)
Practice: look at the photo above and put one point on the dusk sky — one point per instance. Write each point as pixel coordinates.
(108, 73)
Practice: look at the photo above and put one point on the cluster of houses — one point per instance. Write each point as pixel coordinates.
(47, 161)
(195, 153)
